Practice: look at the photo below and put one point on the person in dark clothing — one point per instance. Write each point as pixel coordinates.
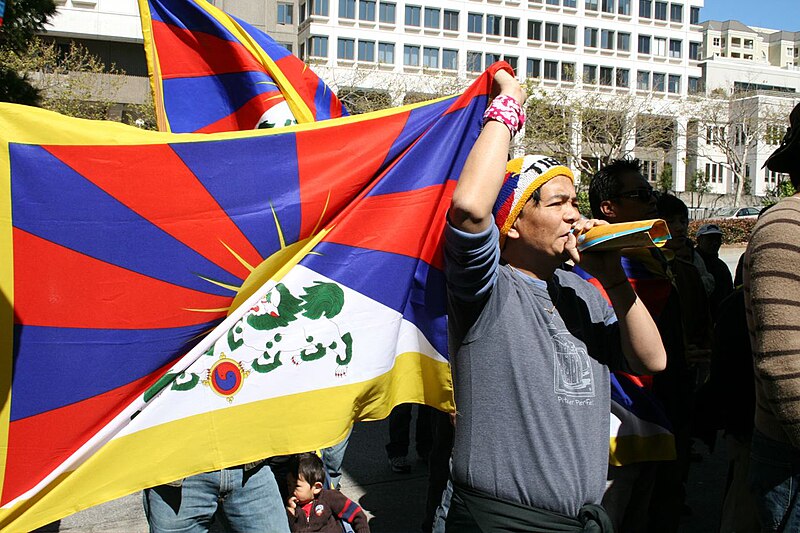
(709, 240)
(732, 391)
(400, 436)
(314, 508)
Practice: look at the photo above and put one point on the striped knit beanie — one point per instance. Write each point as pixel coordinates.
(523, 176)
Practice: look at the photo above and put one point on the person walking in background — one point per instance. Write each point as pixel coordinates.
(772, 299)
(400, 436)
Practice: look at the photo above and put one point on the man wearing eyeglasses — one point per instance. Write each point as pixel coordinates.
(645, 489)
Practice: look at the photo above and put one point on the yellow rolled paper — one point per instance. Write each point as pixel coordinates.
(638, 234)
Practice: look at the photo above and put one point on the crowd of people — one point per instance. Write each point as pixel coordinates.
(544, 340)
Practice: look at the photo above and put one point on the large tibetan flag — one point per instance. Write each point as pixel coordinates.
(211, 72)
(174, 304)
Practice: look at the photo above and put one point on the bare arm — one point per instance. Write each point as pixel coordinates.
(639, 336)
(484, 170)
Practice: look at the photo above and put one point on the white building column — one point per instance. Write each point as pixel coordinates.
(679, 170)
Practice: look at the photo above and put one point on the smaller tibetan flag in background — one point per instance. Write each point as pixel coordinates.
(211, 72)
(2, 10)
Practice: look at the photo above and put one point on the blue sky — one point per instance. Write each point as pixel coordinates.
(775, 14)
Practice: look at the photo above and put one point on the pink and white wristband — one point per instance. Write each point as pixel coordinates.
(507, 111)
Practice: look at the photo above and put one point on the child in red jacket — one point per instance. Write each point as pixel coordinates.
(313, 508)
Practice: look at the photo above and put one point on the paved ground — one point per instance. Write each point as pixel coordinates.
(395, 502)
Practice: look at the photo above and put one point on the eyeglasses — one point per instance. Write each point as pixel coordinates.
(643, 195)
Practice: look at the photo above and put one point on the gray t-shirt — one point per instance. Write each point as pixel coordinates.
(531, 378)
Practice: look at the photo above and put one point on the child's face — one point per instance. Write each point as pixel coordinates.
(302, 490)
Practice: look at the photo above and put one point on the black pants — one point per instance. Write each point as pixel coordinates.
(399, 431)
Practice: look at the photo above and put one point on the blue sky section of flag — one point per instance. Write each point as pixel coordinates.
(127, 248)
(211, 72)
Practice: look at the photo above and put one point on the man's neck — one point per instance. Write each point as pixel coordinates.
(535, 271)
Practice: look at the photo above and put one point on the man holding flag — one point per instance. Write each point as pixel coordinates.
(530, 344)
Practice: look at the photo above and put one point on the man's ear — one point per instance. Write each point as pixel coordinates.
(512, 232)
(317, 488)
(608, 209)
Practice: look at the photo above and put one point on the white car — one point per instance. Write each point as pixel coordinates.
(738, 212)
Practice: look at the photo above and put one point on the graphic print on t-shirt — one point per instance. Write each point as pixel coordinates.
(573, 370)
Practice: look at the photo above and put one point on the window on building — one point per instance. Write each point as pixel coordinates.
(534, 30)
(646, 8)
(302, 51)
(285, 12)
(475, 23)
(623, 77)
(607, 6)
(513, 61)
(430, 57)
(494, 24)
(607, 76)
(748, 44)
(643, 80)
(366, 10)
(512, 27)
(568, 34)
(432, 17)
(567, 71)
(675, 48)
(676, 12)
(624, 7)
(650, 170)
(491, 58)
(411, 55)
(413, 14)
(660, 46)
(318, 7)
(318, 46)
(715, 134)
(694, 51)
(715, 41)
(387, 12)
(590, 74)
(347, 9)
(551, 70)
(474, 62)
(450, 21)
(659, 80)
(590, 37)
(607, 39)
(644, 44)
(449, 59)
(623, 42)
(571, 3)
(694, 85)
(345, 49)
(674, 84)
(774, 134)
(736, 41)
(533, 67)
(590, 5)
(551, 32)
(694, 15)
(386, 53)
(366, 51)
(288, 46)
(660, 11)
(553, 2)
(302, 12)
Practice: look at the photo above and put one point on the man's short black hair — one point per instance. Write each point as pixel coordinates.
(606, 184)
(308, 465)
(669, 206)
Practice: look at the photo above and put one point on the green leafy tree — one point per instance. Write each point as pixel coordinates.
(72, 81)
(22, 20)
(665, 180)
